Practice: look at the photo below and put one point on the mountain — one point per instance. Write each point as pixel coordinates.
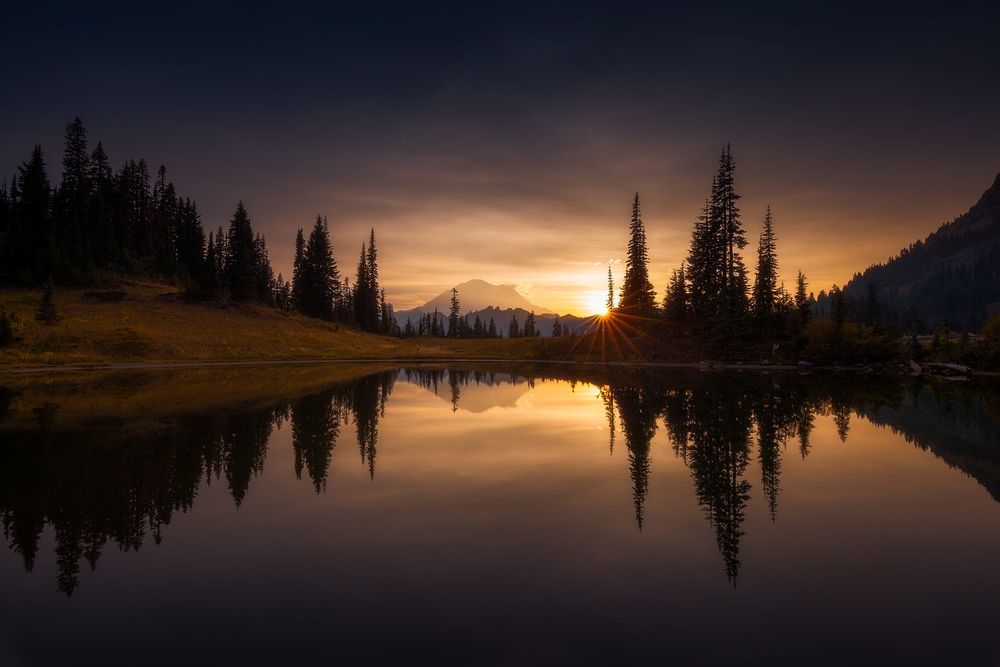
(478, 294)
(500, 302)
(952, 276)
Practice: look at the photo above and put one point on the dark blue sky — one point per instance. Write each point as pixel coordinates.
(503, 141)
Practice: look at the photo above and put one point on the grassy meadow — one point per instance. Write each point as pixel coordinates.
(151, 322)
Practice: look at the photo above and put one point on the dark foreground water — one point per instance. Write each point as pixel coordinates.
(515, 516)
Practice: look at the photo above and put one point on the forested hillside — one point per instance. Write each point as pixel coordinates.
(951, 278)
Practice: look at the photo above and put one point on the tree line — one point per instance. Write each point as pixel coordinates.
(472, 325)
(101, 224)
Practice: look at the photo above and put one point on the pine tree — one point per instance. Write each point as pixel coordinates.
(241, 261)
(838, 306)
(367, 288)
(491, 330)
(211, 284)
(733, 241)
(675, 302)
(190, 243)
(802, 305)
(704, 263)
(610, 304)
(361, 286)
(637, 295)
(529, 325)
(134, 205)
(101, 228)
(263, 273)
(163, 222)
(453, 315)
(716, 274)
(387, 320)
(72, 200)
(513, 331)
(765, 287)
(437, 326)
(30, 248)
(299, 286)
(556, 327)
(319, 279)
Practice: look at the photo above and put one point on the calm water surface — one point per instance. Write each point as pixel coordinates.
(497, 515)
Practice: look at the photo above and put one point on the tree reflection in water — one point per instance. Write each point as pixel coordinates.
(100, 483)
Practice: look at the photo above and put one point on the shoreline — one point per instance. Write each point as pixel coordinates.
(702, 366)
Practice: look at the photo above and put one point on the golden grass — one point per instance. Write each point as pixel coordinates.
(153, 323)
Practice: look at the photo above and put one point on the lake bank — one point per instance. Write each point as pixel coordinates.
(150, 325)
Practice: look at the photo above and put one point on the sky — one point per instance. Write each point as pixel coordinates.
(504, 141)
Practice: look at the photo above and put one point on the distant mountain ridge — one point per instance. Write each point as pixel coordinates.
(499, 302)
(951, 276)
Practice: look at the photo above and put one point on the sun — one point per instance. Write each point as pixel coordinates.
(597, 306)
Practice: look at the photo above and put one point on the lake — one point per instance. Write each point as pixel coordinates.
(523, 514)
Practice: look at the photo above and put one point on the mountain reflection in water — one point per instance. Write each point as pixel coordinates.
(106, 463)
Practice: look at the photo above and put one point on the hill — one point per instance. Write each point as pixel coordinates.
(952, 276)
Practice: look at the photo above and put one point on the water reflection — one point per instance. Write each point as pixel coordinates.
(99, 479)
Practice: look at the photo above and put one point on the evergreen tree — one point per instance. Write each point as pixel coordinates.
(529, 325)
(637, 292)
(134, 208)
(282, 293)
(299, 280)
(491, 330)
(319, 277)
(556, 327)
(163, 223)
(72, 201)
(190, 243)
(513, 331)
(802, 305)
(361, 284)
(765, 287)
(29, 248)
(366, 289)
(704, 263)
(387, 320)
(716, 274)
(241, 260)
(453, 315)
(263, 274)
(611, 291)
(213, 267)
(675, 302)
(101, 229)
(838, 306)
